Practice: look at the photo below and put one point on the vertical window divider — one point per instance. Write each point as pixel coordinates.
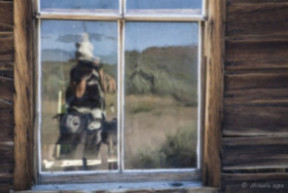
(38, 2)
(199, 95)
(204, 10)
(39, 104)
(121, 91)
(121, 101)
(123, 7)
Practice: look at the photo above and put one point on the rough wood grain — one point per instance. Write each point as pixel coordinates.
(174, 190)
(255, 1)
(252, 80)
(255, 153)
(256, 96)
(6, 70)
(255, 120)
(8, 35)
(214, 52)
(6, 167)
(256, 54)
(6, 133)
(23, 98)
(7, 74)
(257, 18)
(6, 49)
(6, 16)
(6, 88)
(118, 177)
(6, 120)
(255, 183)
(6, 187)
(7, 153)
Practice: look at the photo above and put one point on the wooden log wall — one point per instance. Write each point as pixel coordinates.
(6, 95)
(255, 109)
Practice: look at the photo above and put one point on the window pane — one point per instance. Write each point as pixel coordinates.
(161, 95)
(78, 80)
(171, 5)
(76, 4)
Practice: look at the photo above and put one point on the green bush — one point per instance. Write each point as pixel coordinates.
(177, 151)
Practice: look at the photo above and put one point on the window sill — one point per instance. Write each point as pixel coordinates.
(140, 187)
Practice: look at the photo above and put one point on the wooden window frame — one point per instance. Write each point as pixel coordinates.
(25, 173)
(122, 174)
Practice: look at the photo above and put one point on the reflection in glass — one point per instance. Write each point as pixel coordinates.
(78, 91)
(161, 95)
(76, 4)
(164, 4)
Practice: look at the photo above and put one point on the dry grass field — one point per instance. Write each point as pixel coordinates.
(151, 121)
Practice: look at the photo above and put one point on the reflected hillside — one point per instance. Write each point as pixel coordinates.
(163, 71)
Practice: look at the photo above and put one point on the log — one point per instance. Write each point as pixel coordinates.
(257, 19)
(255, 153)
(255, 120)
(256, 54)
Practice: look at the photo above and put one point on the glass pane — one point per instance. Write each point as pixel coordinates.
(187, 6)
(161, 95)
(78, 95)
(76, 4)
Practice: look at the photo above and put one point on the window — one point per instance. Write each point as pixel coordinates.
(142, 68)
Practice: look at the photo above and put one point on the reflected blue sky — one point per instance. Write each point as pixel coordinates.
(84, 4)
(164, 4)
(142, 35)
(114, 4)
(59, 37)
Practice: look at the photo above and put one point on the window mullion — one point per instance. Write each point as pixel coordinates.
(200, 95)
(121, 101)
(204, 10)
(122, 4)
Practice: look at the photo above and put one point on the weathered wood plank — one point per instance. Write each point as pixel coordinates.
(6, 70)
(255, 152)
(6, 152)
(256, 1)
(6, 167)
(256, 54)
(213, 53)
(118, 178)
(6, 105)
(255, 120)
(6, 133)
(4, 34)
(23, 98)
(6, 187)
(255, 183)
(6, 16)
(256, 80)
(257, 38)
(264, 96)
(6, 88)
(6, 119)
(7, 73)
(152, 190)
(6, 65)
(6, 49)
(258, 19)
